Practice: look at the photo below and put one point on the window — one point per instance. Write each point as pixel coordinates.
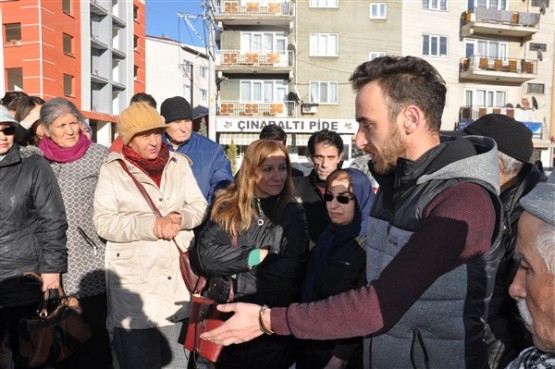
(489, 49)
(188, 66)
(135, 72)
(66, 6)
(485, 98)
(434, 45)
(323, 44)
(267, 91)
(324, 3)
(135, 13)
(488, 4)
(203, 95)
(203, 72)
(434, 4)
(378, 11)
(535, 46)
(535, 88)
(68, 44)
(136, 43)
(375, 54)
(539, 3)
(15, 79)
(323, 92)
(263, 42)
(12, 32)
(68, 85)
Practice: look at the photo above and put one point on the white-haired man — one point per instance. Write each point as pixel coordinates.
(534, 284)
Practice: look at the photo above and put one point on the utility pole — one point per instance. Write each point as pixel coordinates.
(207, 17)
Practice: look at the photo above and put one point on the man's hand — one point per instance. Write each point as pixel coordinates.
(241, 327)
(336, 363)
(50, 281)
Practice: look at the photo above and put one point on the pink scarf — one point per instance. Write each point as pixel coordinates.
(58, 154)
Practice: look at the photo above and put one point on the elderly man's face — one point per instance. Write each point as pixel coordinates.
(534, 284)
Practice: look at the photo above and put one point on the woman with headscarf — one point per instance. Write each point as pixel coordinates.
(256, 243)
(147, 297)
(76, 163)
(337, 263)
(32, 232)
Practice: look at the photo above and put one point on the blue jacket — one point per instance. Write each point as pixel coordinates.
(211, 167)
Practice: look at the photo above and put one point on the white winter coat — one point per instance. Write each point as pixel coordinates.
(144, 283)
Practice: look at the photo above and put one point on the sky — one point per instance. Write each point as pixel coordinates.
(162, 20)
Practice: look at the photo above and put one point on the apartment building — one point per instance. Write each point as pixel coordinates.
(289, 62)
(92, 53)
(176, 69)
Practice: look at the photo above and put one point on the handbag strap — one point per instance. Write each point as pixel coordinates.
(148, 199)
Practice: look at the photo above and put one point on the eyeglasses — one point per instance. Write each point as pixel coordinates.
(8, 131)
(342, 199)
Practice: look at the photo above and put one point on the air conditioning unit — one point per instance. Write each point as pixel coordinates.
(309, 108)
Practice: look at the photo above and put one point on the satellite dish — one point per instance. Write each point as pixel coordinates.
(534, 103)
(540, 55)
(542, 8)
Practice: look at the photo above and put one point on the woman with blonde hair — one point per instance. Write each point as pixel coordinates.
(256, 244)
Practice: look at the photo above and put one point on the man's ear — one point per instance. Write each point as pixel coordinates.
(412, 119)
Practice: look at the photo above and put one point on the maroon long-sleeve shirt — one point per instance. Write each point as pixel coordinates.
(432, 251)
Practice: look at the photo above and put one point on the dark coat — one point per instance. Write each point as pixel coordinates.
(313, 204)
(33, 224)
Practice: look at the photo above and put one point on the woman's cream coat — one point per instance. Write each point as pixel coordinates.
(145, 288)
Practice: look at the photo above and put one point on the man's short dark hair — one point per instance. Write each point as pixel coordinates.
(405, 80)
(12, 99)
(273, 132)
(144, 97)
(327, 137)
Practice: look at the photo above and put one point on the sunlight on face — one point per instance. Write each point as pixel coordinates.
(340, 214)
(65, 130)
(147, 144)
(271, 175)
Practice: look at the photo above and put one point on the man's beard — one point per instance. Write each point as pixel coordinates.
(524, 312)
(386, 157)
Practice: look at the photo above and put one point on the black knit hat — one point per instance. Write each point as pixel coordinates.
(176, 108)
(513, 138)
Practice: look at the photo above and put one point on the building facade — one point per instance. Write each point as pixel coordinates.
(282, 62)
(92, 53)
(175, 69)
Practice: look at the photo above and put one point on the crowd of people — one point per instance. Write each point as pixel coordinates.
(450, 264)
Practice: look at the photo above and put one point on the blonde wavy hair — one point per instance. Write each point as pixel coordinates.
(233, 208)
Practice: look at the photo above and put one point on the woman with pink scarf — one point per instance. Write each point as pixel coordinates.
(76, 163)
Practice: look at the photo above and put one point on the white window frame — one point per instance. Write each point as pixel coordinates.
(439, 5)
(488, 48)
(434, 39)
(485, 98)
(324, 4)
(203, 95)
(263, 42)
(316, 89)
(378, 11)
(492, 4)
(203, 71)
(375, 54)
(267, 91)
(324, 44)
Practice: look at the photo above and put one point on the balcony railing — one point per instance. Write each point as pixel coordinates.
(502, 24)
(257, 109)
(237, 57)
(254, 7)
(498, 69)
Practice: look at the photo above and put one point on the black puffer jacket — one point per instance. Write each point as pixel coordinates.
(273, 282)
(32, 224)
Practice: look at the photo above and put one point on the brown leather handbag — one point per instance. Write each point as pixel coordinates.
(53, 334)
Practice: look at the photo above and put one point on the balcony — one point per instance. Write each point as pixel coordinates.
(236, 61)
(257, 109)
(506, 70)
(499, 24)
(255, 13)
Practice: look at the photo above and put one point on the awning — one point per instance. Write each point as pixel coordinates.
(301, 139)
(240, 139)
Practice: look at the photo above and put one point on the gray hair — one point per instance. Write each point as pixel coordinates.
(545, 244)
(57, 107)
(510, 166)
